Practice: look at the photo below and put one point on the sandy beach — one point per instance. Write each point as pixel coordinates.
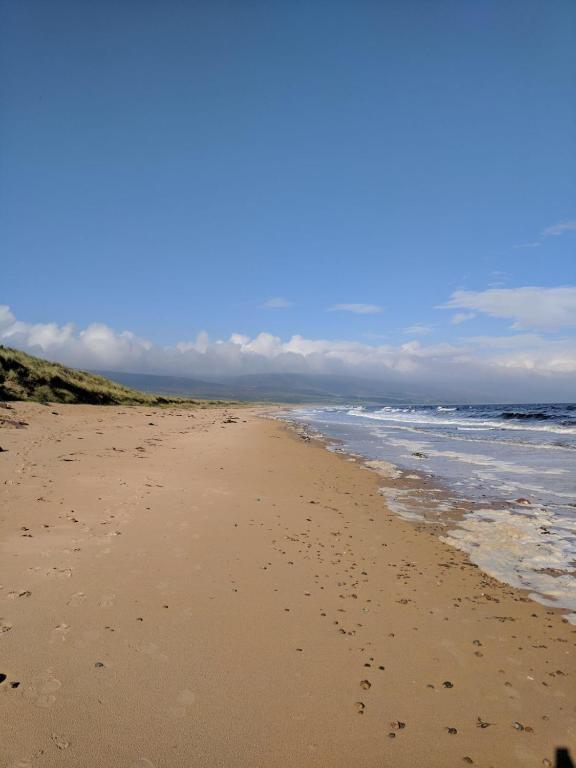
(203, 588)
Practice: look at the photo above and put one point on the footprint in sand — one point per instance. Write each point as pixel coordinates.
(60, 633)
(5, 626)
(60, 741)
(15, 594)
(148, 648)
(58, 573)
(76, 599)
(185, 699)
(107, 601)
(143, 762)
(42, 689)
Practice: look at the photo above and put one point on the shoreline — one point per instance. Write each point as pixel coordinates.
(424, 497)
(234, 579)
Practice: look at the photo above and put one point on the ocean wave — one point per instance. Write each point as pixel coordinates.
(414, 417)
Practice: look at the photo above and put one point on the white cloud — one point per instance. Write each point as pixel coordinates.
(554, 231)
(419, 329)
(521, 366)
(529, 307)
(358, 309)
(7, 319)
(533, 244)
(277, 303)
(559, 229)
(462, 317)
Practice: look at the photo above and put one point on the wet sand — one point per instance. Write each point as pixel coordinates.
(181, 588)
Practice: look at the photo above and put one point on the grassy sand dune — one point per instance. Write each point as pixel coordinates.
(25, 377)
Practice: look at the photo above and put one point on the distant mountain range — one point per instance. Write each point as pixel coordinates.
(282, 387)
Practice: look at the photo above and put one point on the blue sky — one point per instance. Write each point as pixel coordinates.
(169, 167)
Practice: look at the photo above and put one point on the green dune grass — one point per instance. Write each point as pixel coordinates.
(25, 377)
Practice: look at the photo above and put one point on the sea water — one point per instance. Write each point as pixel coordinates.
(507, 475)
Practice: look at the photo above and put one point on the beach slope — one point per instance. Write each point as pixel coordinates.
(203, 588)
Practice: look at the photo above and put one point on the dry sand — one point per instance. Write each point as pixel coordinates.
(181, 591)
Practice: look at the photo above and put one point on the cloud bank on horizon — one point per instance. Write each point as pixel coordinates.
(531, 363)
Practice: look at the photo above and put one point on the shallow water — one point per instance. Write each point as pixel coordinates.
(509, 472)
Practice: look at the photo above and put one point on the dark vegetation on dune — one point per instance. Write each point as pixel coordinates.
(24, 377)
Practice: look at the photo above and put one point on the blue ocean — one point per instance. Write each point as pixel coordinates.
(502, 478)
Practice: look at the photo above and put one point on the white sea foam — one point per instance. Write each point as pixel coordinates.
(387, 430)
(384, 468)
(397, 503)
(481, 459)
(532, 549)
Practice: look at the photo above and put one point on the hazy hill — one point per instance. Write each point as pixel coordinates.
(24, 377)
(282, 387)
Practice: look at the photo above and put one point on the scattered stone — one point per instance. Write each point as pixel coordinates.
(452, 731)
(447, 684)
(16, 423)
